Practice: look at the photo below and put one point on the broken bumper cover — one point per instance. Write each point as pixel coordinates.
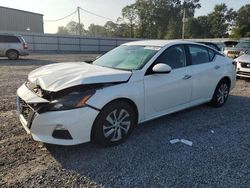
(67, 127)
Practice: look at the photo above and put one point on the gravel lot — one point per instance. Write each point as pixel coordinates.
(219, 157)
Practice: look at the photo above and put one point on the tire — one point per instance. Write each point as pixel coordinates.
(12, 55)
(114, 124)
(221, 94)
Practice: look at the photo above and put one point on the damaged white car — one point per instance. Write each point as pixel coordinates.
(73, 103)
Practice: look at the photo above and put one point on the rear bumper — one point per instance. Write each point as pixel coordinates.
(23, 52)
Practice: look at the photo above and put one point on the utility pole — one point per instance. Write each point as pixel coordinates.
(79, 21)
(183, 22)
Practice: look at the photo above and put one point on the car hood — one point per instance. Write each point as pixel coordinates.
(243, 58)
(55, 77)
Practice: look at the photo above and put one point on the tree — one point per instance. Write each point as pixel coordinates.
(242, 25)
(96, 30)
(163, 18)
(220, 20)
(75, 28)
(199, 27)
(130, 13)
(72, 28)
(62, 30)
(173, 32)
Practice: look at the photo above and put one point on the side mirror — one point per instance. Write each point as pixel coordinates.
(162, 68)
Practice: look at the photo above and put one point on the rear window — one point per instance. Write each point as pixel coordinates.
(199, 54)
(9, 39)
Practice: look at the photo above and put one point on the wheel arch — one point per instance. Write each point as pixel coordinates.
(6, 53)
(227, 79)
(127, 100)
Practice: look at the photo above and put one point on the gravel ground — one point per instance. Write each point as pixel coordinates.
(219, 157)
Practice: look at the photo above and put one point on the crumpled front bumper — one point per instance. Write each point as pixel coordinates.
(77, 122)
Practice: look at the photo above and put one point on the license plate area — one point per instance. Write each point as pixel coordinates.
(25, 111)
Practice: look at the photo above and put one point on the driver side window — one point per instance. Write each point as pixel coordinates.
(174, 57)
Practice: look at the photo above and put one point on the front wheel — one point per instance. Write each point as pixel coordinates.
(221, 94)
(114, 124)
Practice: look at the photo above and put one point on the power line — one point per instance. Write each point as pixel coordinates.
(61, 18)
(97, 15)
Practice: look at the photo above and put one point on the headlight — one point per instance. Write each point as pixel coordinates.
(75, 99)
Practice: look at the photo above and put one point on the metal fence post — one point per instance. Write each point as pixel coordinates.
(99, 45)
(58, 45)
(33, 42)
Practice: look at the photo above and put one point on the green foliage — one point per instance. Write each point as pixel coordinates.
(62, 30)
(242, 28)
(220, 20)
(164, 19)
(130, 13)
(72, 28)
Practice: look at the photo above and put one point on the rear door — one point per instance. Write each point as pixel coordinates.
(206, 72)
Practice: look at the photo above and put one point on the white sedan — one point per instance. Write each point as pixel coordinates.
(73, 103)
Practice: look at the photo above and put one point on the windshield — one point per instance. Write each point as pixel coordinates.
(127, 57)
(243, 45)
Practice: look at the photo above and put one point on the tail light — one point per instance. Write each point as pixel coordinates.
(25, 46)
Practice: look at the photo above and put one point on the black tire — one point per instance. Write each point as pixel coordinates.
(108, 132)
(12, 55)
(221, 94)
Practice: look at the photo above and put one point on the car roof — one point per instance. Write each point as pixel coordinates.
(158, 43)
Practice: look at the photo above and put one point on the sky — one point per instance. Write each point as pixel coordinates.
(55, 9)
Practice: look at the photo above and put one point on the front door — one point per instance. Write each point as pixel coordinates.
(169, 91)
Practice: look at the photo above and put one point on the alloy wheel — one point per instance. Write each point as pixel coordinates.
(222, 93)
(117, 125)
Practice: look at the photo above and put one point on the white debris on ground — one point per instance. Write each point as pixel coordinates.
(187, 142)
(174, 141)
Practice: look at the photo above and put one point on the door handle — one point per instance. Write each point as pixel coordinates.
(217, 67)
(186, 77)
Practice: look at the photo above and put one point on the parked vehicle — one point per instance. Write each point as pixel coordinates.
(231, 43)
(13, 46)
(73, 103)
(243, 66)
(243, 47)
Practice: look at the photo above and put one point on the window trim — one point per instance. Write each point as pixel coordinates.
(149, 70)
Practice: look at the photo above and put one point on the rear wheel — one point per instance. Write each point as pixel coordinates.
(114, 124)
(221, 94)
(12, 55)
